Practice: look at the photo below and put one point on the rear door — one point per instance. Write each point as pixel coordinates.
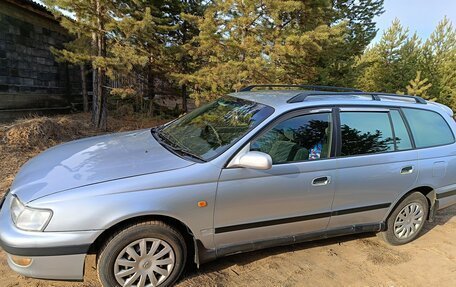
(376, 162)
(293, 197)
(436, 147)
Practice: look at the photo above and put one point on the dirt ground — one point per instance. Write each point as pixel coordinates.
(361, 260)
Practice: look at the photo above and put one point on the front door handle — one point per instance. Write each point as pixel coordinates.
(319, 181)
(407, 170)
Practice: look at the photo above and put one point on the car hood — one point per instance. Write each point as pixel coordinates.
(93, 160)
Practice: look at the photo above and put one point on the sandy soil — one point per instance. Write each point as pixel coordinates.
(362, 260)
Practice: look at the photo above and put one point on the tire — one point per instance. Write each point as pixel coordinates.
(118, 256)
(409, 216)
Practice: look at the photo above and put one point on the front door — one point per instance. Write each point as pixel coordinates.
(293, 197)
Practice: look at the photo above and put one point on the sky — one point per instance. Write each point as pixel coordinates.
(421, 16)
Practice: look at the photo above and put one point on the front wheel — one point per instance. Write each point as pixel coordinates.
(407, 220)
(146, 254)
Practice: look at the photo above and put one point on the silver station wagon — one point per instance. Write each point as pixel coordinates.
(254, 169)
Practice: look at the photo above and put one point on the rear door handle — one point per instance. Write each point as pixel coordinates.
(407, 170)
(319, 181)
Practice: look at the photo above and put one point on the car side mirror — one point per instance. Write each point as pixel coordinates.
(255, 160)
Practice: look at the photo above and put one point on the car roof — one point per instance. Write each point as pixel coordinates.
(283, 100)
(273, 98)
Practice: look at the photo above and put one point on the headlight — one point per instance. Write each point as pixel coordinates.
(30, 219)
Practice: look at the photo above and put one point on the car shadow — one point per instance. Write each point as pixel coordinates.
(243, 259)
(442, 217)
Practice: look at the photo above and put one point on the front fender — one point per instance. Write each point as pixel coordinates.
(173, 194)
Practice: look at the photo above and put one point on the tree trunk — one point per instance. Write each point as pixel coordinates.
(85, 96)
(100, 100)
(150, 81)
(100, 107)
(184, 66)
(94, 83)
(184, 98)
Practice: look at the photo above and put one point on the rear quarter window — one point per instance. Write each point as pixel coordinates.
(428, 128)
(403, 141)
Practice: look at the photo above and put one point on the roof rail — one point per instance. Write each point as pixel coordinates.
(304, 87)
(375, 96)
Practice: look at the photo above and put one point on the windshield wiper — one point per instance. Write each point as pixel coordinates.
(187, 152)
(164, 137)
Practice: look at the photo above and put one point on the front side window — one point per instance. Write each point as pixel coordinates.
(210, 130)
(428, 128)
(301, 138)
(366, 133)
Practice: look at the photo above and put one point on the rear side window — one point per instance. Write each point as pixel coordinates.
(403, 141)
(366, 133)
(428, 128)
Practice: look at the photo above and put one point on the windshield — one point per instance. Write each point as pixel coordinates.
(210, 130)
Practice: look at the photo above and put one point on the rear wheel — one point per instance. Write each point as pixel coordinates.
(407, 220)
(146, 254)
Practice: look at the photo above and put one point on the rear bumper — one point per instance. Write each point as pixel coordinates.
(55, 255)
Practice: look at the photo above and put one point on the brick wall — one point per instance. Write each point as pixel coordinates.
(31, 80)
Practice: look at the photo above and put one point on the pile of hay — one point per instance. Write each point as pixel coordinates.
(42, 132)
(39, 133)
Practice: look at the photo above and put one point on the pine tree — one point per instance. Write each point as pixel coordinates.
(439, 62)
(123, 34)
(419, 87)
(243, 42)
(185, 17)
(337, 60)
(140, 42)
(390, 64)
(232, 46)
(359, 15)
(151, 37)
(90, 19)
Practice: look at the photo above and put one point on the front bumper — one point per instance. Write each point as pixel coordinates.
(55, 255)
(66, 267)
